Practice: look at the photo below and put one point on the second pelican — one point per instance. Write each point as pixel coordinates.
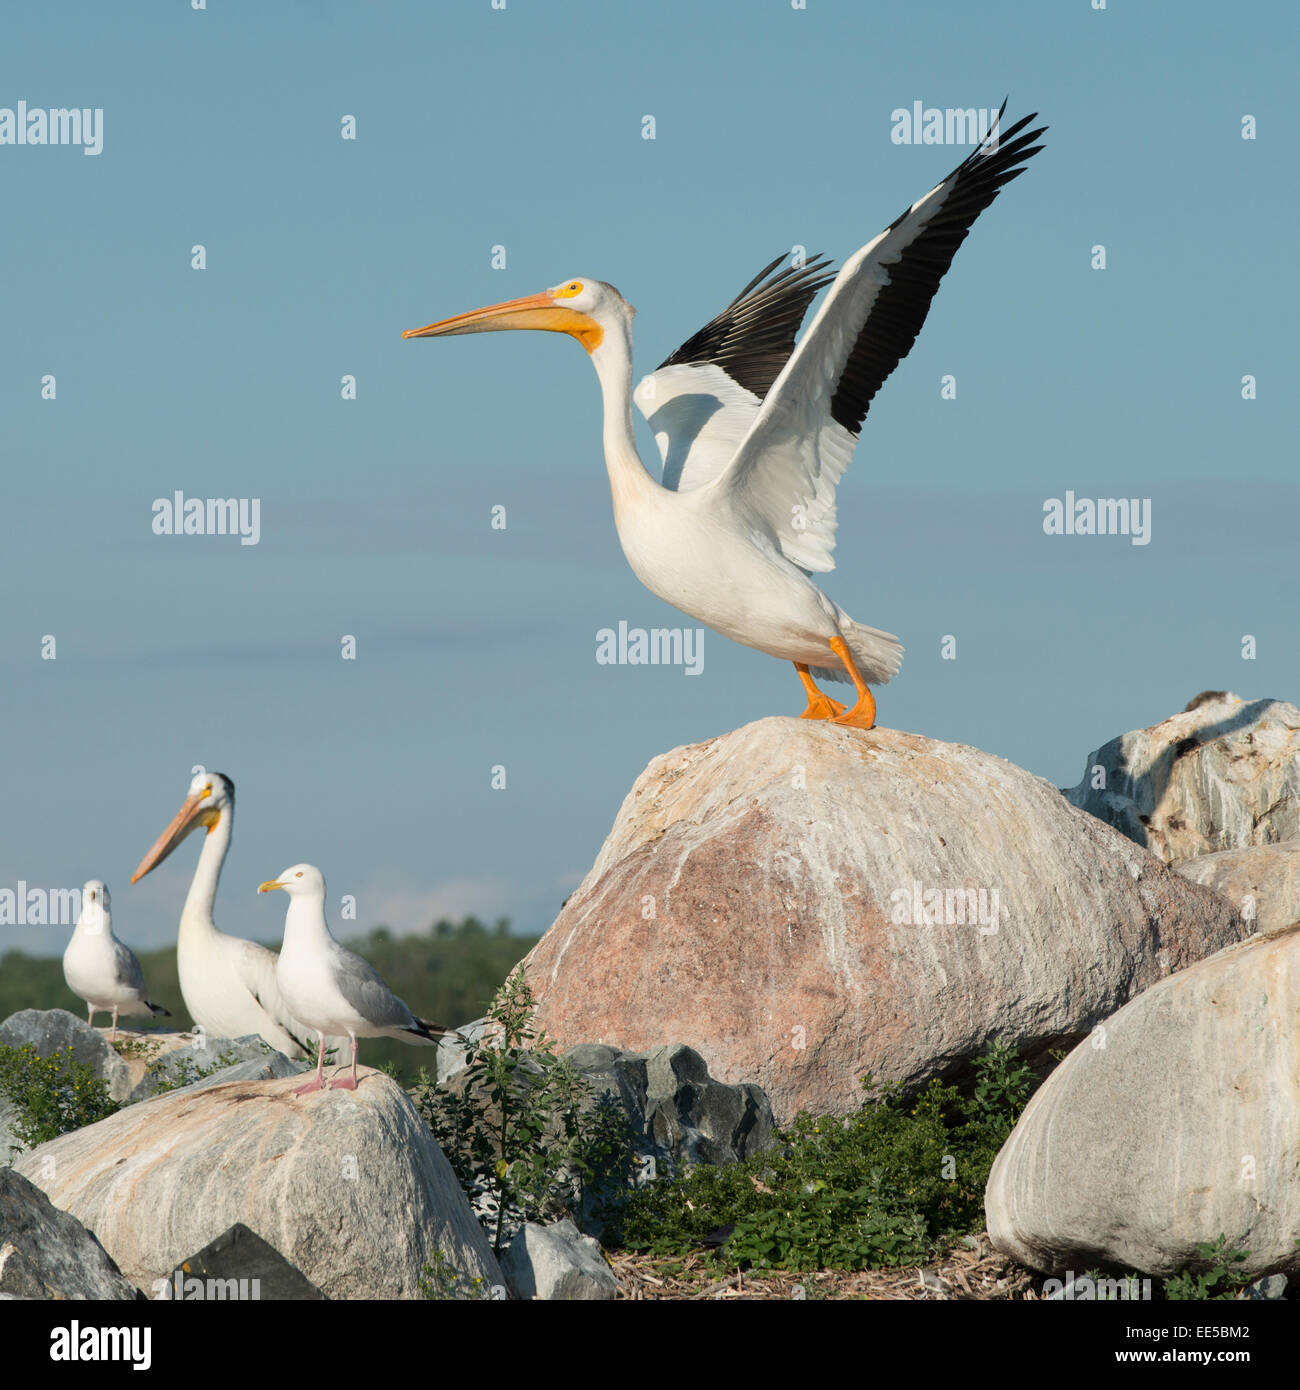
(228, 983)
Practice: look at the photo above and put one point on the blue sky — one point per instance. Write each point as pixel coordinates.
(476, 647)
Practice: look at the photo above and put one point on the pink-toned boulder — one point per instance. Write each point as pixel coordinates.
(804, 904)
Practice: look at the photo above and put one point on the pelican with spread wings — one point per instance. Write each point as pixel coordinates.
(756, 432)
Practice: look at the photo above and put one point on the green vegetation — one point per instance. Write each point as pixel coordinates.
(447, 974)
(1219, 1282)
(187, 1071)
(518, 1125)
(891, 1185)
(50, 1095)
(442, 1281)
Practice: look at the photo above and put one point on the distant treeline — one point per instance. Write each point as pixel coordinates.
(448, 975)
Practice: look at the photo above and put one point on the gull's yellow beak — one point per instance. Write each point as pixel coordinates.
(540, 311)
(193, 813)
(269, 885)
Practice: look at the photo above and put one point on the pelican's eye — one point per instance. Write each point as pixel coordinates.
(572, 288)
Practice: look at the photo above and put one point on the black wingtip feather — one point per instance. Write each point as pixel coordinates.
(902, 305)
(753, 337)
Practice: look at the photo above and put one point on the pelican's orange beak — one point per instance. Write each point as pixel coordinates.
(193, 813)
(540, 311)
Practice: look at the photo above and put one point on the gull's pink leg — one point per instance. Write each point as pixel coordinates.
(91, 1018)
(113, 1038)
(317, 1081)
(338, 1085)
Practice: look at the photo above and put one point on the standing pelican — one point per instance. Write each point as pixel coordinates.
(228, 983)
(331, 988)
(755, 433)
(98, 967)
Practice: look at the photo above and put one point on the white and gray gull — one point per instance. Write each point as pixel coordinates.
(98, 967)
(331, 988)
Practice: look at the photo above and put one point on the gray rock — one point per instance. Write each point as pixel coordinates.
(239, 1264)
(1177, 1122)
(254, 1060)
(52, 1030)
(1262, 882)
(19, 1277)
(270, 1068)
(450, 1058)
(1224, 774)
(348, 1185)
(46, 1253)
(9, 1141)
(555, 1262)
(1272, 1286)
(678, 1112)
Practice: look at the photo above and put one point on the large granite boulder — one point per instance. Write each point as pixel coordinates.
(45, 1253)
(1177, 1122)
(1224, 774)
(349, 1186)
(803, 904)
(1262, 882)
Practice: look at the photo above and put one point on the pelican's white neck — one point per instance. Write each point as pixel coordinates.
(628, 478)
(203, 890)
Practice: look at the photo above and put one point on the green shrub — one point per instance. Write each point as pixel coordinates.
(888, 1185)
(51, 1095)
(519, 1124)
(1218, 1282)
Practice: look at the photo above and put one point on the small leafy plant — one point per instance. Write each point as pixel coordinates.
(442, 1281)
(187, 1071)
(1217, 1282)
(51, 1095)
(519, 1127)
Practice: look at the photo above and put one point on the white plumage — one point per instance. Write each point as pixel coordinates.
(228, 983)
(98, 967)
(756, 433)
(333, 990)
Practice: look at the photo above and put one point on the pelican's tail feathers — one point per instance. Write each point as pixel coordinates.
(878, 654)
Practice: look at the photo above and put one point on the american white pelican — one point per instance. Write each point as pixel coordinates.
(98, 967)
(755, 433)
(228, 983)
(331, 988)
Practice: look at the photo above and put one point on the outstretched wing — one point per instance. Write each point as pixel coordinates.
(786, 469)
(703, 399)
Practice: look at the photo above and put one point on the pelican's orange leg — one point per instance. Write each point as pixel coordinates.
(863, 714)
(820, 705)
